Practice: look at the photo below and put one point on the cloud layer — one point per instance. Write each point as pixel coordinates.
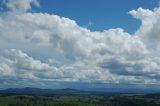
(61, 50)
(20, 5)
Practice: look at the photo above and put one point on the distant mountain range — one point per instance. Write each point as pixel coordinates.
(38, 91)
(69, 91)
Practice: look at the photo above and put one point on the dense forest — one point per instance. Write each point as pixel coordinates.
(80, 100)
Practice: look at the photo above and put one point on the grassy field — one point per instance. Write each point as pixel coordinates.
(88, 100)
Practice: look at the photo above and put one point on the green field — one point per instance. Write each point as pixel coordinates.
(88, 100)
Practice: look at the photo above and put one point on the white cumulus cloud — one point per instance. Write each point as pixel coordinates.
(109, 56)
(20, 5)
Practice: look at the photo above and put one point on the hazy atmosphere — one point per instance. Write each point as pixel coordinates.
(79, 43)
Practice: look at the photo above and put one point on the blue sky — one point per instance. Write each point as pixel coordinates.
(102, 15)
(74, 43)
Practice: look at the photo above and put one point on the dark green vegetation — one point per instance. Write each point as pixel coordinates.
(80, 100)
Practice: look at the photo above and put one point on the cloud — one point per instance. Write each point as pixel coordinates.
(150, 29)
(23, 66)
(67, 37)
(61, 50)
(17, 65)
(20, 5)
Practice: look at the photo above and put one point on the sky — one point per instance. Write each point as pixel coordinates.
(79, 44)
(98, 15)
